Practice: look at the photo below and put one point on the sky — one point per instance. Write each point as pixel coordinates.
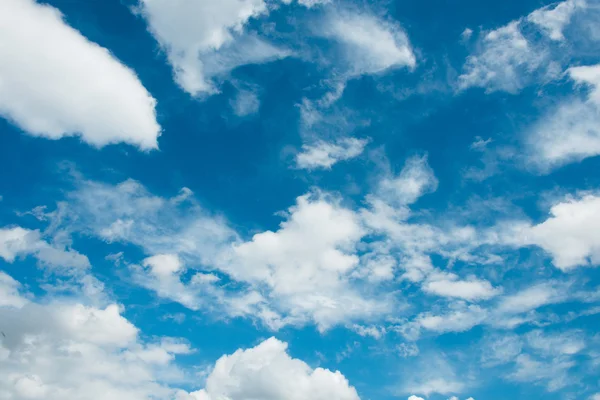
(299, 199)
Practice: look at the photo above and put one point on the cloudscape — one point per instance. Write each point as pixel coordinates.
(299, 200)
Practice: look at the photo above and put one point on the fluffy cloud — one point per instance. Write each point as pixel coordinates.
(307, 263)
(56, 83)
(369, 44)
(569, 235)
(17, 241)
(268, 372)
(204, 40)
(325, 155)
(569, 133)
(64, 350)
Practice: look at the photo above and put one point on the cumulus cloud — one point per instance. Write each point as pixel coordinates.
(569, 235)
(56, 83)
(369, 43)
(325, 155)
(569, 132)
(307, 263)
(268, 372)
(67, 351)
(205, 40)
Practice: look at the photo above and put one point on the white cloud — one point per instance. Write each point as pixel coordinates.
(204, 40)
(268, 372)
(17, 241)
(437, 385)
(460, 320)
(70, 351)
(325, 155)
(415, 180)
(164, 274)
(9, 292)
(370, 44)
(503, 61)
(570, 234)
(569, 132)
(413, 397)
(531, 298)
(307, 263)
(56, 83)
(553, 19)
(449, 285)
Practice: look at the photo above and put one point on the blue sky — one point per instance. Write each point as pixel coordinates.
(299, 199)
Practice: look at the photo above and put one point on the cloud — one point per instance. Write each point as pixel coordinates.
(460, 320)
(552, 374)
(500, 349)
(325, 155)
(206, 40)
(308, 3)
(66, 350)
(569, 234)
(553, 19)
(370, 44)
(17, 241)
(504, 60)
(531, 298)
(415, 179)
(245, 103)
(433, 374)
(268, 372)
(308, 262)
(128, 213)
(301, 273)
(9, 292)
(449, 285)
(568, 343)
(56, 83)
(569, 132)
